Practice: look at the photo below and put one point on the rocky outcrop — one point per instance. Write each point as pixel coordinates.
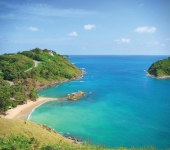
(75, 96)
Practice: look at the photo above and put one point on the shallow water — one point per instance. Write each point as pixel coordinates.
(122, 106)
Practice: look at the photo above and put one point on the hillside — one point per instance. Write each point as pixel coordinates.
(29, 129)
(25, 135)
(160, 69)
(29, 71)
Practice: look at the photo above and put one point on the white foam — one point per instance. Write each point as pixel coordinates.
(34, 109)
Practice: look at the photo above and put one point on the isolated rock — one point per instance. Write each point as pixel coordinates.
(75, 96)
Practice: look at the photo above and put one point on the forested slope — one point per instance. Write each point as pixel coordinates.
(160, 68)
(20, 69)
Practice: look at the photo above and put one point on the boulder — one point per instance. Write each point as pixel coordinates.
(75, 96)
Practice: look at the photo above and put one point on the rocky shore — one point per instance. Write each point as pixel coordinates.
(50, 84)
(23, 111)
(75, 96)
(160, 77)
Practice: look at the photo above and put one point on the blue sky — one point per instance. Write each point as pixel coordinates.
(86, 27)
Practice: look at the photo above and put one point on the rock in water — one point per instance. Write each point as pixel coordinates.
(75, 96)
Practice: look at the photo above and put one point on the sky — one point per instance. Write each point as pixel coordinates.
(86, 27)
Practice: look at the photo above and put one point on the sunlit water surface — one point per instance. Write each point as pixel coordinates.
(121, 107)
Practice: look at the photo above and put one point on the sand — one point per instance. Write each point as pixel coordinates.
(23, 111)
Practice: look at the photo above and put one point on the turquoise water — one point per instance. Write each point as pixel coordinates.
(122, 106)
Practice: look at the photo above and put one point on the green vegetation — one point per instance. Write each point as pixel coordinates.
(52, 67)
(4, 97)
(30, 71)
(25, 135)
(160, 68)
(12, 66)
(38, 54)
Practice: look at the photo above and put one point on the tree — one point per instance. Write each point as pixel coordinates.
(19, 97)
(33, 95)
(4, 98)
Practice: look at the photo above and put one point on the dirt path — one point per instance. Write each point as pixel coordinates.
(10, 82)
(35, 65)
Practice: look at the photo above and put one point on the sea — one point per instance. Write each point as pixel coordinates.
(122, 106)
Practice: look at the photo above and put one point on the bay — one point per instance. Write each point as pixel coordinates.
(121, 107)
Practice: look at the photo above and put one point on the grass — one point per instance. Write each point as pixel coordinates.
(29, 129)
(20, 134)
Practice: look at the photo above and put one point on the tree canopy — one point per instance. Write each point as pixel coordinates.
(160, 68)
(20, 68)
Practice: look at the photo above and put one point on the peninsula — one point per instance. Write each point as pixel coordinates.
(22, 74)
(160, 69)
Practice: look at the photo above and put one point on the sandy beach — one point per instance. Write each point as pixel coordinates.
(23, 111)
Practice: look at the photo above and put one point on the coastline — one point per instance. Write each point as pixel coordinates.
(162, 77)
(53, 83)
(23, 111)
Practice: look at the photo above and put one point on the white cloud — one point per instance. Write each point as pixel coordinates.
(152, 43)
(57, 41)
(33, 11)
(123, 40)
(19, 28)
(33, 29)
(89, 26)
(145, 29)
(73, 34)
(27, 28)
(168, 39)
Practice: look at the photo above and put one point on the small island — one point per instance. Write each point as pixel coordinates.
(75, 96)
(160, 69)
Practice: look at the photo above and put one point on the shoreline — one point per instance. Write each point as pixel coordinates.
(23, 111)
(53, 83)
(152, 76)
(162, 77)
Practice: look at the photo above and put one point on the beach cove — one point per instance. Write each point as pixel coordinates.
(121, 106)
(108, 113)
(23, 111)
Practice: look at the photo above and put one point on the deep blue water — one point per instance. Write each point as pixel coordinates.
(122, 106)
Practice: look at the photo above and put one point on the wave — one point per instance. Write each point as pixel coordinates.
(83, 68)
(33, 110)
